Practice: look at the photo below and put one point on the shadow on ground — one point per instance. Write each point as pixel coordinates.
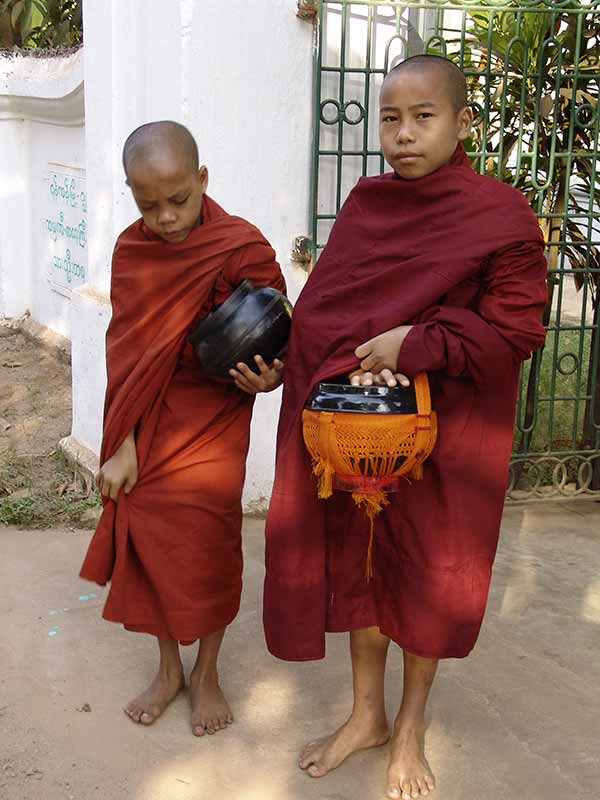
(519, 718)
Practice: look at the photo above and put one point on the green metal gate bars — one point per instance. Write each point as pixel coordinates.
(534, 76)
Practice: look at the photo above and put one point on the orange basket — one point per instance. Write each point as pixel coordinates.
(366, 453)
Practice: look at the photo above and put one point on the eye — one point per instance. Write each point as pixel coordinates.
(424, 115)
(388, 118)
(146, 208)
(181, 202)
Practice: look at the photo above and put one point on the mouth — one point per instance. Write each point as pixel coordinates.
(407, 156)
(172, 234)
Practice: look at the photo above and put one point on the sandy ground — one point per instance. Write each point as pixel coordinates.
(518, 719)
(38, 488)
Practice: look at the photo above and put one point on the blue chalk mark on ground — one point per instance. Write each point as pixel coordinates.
(53, 631)
(87, 596)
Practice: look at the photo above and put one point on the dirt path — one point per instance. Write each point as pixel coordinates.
(38, 488)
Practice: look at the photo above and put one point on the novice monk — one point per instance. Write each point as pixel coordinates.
(175, 442)
(456, 260)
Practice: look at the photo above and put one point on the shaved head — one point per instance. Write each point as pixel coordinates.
(155, 143)
(456, 84)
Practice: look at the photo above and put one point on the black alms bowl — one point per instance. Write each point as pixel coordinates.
(250, 322)
(335, 396)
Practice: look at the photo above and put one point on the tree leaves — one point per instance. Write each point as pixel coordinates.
(541, 118)
(44, 23)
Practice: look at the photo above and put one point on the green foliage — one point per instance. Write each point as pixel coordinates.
(534, 75)
(534, 80)
(20, 512)
(41, 23)
(29, 500)
(556, 425)
(46, 511)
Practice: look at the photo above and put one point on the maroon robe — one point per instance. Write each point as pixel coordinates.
(461, 257)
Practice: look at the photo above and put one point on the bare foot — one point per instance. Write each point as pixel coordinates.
(409, 774)
(320, 757)
(149, 705)
(210, 710)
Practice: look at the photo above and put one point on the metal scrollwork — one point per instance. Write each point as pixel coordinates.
(341, 113)
(572, 363)
(549, 476)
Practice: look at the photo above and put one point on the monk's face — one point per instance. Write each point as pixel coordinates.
(169, 196)
(419, 127)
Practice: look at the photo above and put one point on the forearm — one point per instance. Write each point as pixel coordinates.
(456, 346)
(502, 330)
(461, 343)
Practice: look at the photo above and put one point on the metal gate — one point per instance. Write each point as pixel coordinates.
(534, 76)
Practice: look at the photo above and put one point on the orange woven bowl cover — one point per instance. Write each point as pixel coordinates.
(380, 447)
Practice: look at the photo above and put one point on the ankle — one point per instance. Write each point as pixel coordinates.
(409, 723)
(369, 715)
(205, 677)
(170, 669)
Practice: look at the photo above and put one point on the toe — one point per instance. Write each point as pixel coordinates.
(307, 756)
(317, 770)
(406, 790)
(429, 782)
(422, 787)
(146, 718)
(198, 730)
(393, 792)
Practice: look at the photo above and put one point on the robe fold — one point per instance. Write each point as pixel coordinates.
(171, 548)
(460, 257)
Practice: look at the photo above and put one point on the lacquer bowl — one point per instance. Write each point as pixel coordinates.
(252, 321)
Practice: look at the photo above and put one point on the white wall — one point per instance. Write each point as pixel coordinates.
(239, 75)
(248, 88)
(41, 121)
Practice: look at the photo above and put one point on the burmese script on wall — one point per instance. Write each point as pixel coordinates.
(65, 227)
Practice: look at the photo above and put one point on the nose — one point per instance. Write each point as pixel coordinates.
(166, 215)
(404, 134)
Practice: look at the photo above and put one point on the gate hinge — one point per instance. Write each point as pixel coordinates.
(302, 252)
(307, 9)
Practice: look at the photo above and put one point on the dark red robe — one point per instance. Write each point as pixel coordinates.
(172, 547)
(461, 257)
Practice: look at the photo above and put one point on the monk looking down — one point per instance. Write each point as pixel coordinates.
(430, 268)
(175, 442)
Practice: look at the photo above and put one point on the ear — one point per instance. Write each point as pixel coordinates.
(465, 122)
(203, 178)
